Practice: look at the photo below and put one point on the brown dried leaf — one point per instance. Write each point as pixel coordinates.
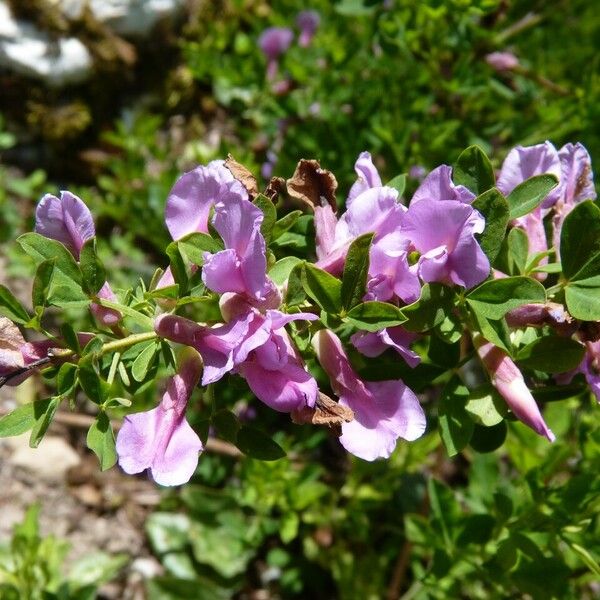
(326, 412)
(276, 186)
(243, 175)
(313, 185)
(11, 341)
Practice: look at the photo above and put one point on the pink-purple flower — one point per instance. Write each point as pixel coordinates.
(502, 61)
(508, 380)
(383, 411)
(444, 235)
(161, 439)
(195, 193)
(308, 22)
(273, 42)
(375, 343)
(438, 185)
(68, 220)
(256, 346)
(241, 267)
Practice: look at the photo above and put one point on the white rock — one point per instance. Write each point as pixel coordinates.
(126, 17)
(50, 460)
(27, 50)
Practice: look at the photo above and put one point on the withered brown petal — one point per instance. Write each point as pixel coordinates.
(313, 185)
(276, 186)
(326, 412)
(243, 175)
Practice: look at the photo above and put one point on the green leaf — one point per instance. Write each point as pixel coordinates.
(258, 444)
(70, 337)
(41, 283)
(91, 383)
(493, 299)
(23, 418)
(580, 242)
(493, 330)
(486, 406)
(270, 215)
(583, 299)
(41, 249)
(96, 568)
(289, 527)
(435, 303)
(196, 244)
(92, 269)
(323, 288)
(143, 361)
(551, 354)
(374, 316)
(281, 270)
(285, 223)
(141, 319)
(43, 417)
(66, 379)
(518, 250)
(101, 441)
(10, 307)
(456, 426)
(474, 170)
(227, 425)
(530, 194)
(488, 439)
(177, 265)
(494, 208)
(356, 268)
(398, 183)
(295, 293)
(443, 353)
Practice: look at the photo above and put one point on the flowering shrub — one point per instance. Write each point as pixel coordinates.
(486, 289)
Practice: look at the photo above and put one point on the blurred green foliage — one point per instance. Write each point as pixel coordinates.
(407, 81)
(31, 566)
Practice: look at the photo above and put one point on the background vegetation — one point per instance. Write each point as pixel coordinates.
(409, 82)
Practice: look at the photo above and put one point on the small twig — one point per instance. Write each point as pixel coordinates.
(399, 573)
(529, 20)
(85, 421)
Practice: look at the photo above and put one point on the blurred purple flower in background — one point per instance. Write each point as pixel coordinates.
(307, 21)
(502, 61)
(273, 42)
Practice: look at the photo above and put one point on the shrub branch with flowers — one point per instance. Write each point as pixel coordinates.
(485, 288)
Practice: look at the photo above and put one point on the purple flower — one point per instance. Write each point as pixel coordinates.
(590, 367)
(502, 61)
(368, 177)
(195, 193)
(241, 267)
(370, 207)
(69, 221)
(383, 410)
(308, 22)
(524, 162)
(374, 344)
(374, 210)
(578, 184)
(161, 439)
(390, 275)
(438, 185)
(255, 345)
(509, 382)
(273, 42)
(444, 234)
